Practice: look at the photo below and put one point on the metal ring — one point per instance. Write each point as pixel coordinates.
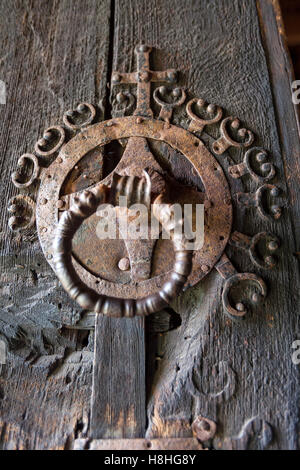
(87, 298)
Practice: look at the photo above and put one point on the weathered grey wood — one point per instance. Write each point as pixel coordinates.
(45, 405)
(53, 54)
(218, 47)
(281, 76)
(118, 408)
(238, 373)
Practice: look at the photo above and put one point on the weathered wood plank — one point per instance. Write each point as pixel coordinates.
(138, 444)
(119, 388)
(281, 77)
(53, 54)
(239, 374)
(45, 404)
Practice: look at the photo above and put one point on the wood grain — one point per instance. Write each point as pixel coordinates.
(218, 48)
(282, 76)
(53, 54)
(236, 373)
(119, 387)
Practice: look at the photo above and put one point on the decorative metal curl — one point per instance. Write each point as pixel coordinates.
(197, 124)
(42, 144)
(225, 141)
(22, 209)
(250, 244)
(267, 168)
(257, 200)
(228, 272)
(15, 177)
(71, 115)
(240, 310)
(272, 244)
(124, 98)
(167, 108)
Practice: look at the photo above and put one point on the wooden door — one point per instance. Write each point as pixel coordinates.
(152, 378)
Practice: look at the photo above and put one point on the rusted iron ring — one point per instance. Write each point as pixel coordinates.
(87, 298)
(218, 217)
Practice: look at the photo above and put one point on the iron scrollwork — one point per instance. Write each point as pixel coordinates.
(132, 132)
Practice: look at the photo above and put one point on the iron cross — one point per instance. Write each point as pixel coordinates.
(143, 78)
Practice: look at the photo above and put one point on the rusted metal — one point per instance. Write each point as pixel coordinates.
(133, 269)
(204, 428)
(122, 103)
(124, 264)
(136, 190)
(266, 168)
(22, 210)
(52, 140)
(170, 443)
(17, 176)
(80, 117)
(251, 245)
(143, 78)
(167, 107)
(232, 279)
(262, 200)
(226, 141)
(87, 298)
(213, 114)
(136, 158)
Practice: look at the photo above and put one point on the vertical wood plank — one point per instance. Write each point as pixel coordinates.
(237, 373)
(281, 78)
(118, 398)
(119, 377)
(53, 54)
